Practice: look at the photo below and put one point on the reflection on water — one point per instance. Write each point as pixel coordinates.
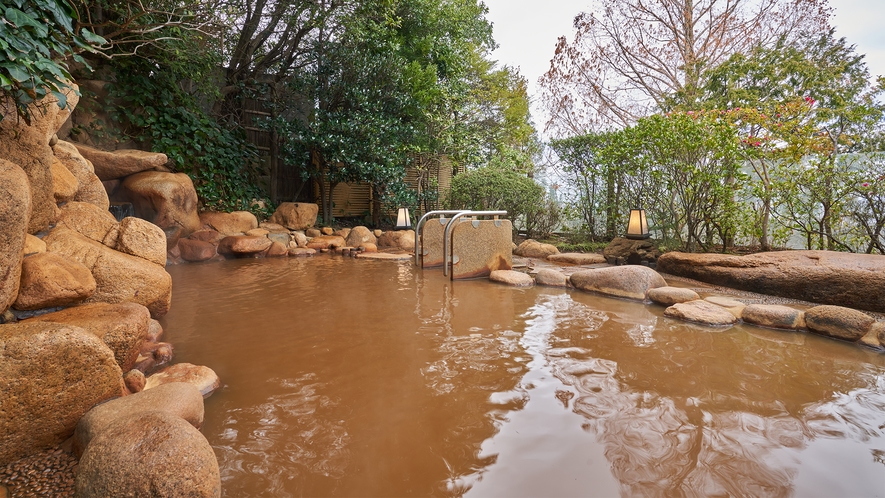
(362, 378)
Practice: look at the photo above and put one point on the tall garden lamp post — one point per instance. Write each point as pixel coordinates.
(403, 221)
(637, 227)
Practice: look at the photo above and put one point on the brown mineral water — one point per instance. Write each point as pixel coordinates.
(346, 377)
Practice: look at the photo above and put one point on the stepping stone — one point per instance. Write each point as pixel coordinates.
(384, 255)
(577, 258)
(701, 312)
(732, 305)
(839, 322)
(512, 277)
(551, 278)
(774, 316)
(668, 296)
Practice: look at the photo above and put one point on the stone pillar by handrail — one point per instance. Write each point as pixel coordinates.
(447, 234)
(418, 241)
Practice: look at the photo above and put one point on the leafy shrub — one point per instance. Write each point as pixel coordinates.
(222, 164)
(35, 39)
(487, 189)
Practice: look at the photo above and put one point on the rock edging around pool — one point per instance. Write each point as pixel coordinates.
(644, 284)
(81, 371)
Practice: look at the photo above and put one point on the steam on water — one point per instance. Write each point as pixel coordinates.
(345, 377)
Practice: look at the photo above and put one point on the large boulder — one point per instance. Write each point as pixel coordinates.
(632, 282)
(533, 249)
(90, 188)
(167, 200)
(91, 221)
(49, 280)
(142, 239)
(177, 398)
(234, 223)
(839, 322)
(28, 147)
(243, 245)
(397, 239)
(326, 242)
(15, 208)
(295, 215)
(826, 277)
(123, 326)
(196, 250)
(121, 163)
(119, 277)
(622, 250)
(149, 454)
(360, 235)
(50, 375)
(65, 184)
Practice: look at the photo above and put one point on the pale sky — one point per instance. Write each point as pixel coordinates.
(527, 30)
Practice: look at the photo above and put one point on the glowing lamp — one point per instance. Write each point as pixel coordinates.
(637, 227)
(403, 221)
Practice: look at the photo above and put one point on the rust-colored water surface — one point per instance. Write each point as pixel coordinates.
(345, 377)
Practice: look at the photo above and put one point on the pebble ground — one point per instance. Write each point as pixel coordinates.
(49, 473)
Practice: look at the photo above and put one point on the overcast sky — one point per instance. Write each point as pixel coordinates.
(527, 30)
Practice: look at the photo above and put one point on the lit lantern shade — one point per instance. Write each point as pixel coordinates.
(403, 221)
(637, 227)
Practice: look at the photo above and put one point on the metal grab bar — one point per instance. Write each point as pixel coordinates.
(419, 258)
(447, 234)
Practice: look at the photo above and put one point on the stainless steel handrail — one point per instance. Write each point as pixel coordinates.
(419, 246)
(447, 234)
